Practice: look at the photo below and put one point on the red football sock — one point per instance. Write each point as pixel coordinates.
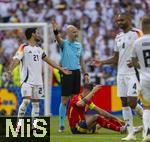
(105, 123)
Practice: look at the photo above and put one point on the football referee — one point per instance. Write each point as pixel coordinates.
(71, 58)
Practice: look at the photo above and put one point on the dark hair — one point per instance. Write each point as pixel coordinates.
(29, 31)
(88, 86)
(127, 15)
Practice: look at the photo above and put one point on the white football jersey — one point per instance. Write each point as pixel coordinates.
(142, 52)
(30, 64)
(124, 45)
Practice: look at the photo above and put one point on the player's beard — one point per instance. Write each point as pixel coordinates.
(38, 39)
(124, 26)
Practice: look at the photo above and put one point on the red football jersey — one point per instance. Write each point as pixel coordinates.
(75, 113)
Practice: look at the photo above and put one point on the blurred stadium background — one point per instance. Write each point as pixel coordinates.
(94, 18)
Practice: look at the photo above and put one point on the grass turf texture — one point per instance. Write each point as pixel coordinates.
(103, 135)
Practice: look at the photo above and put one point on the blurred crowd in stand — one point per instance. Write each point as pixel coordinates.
(94, 18)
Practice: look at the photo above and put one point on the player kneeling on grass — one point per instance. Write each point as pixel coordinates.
(77, 108)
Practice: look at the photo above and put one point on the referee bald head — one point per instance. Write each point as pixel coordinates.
(72, 33)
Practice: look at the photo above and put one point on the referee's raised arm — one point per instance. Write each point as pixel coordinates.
(71, 58)
(56, 33)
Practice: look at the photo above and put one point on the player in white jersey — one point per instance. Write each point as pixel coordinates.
(126, 77)
(141, 55)
(30, 57)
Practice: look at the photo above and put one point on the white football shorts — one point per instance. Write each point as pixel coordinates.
(34, 91)
(127, 85)
(145, 95)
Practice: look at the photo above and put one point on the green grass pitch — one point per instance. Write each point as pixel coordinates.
(103, 135)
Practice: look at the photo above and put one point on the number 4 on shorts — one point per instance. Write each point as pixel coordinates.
(134, 86)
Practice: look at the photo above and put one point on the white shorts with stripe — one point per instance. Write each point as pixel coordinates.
(33, 91)
(128, 85)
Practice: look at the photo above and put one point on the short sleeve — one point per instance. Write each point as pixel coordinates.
(134, 54)
(116, 47)
(43, 53)
(20, 52)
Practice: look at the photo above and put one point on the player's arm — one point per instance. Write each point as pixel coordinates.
(86, 99)
(112, 60)
(135, 62)
(54, 65)
(83, 67)
(56, 33)
(134, 56)
(13, 64)
(16, 59)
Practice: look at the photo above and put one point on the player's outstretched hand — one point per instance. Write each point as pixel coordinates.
(129, 63)
(7, 75)
(96, 62)
(66, 71)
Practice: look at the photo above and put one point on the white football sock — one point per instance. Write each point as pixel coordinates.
(35, 112)
(22, 110)
(128, 118)
(139, 110)
(146, 121)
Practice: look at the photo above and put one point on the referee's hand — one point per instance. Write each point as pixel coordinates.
(66, 71)
(54, 25)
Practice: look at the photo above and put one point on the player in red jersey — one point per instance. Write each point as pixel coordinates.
(77, 108)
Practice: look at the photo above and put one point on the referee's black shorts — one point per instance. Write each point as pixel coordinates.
(70, 84)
